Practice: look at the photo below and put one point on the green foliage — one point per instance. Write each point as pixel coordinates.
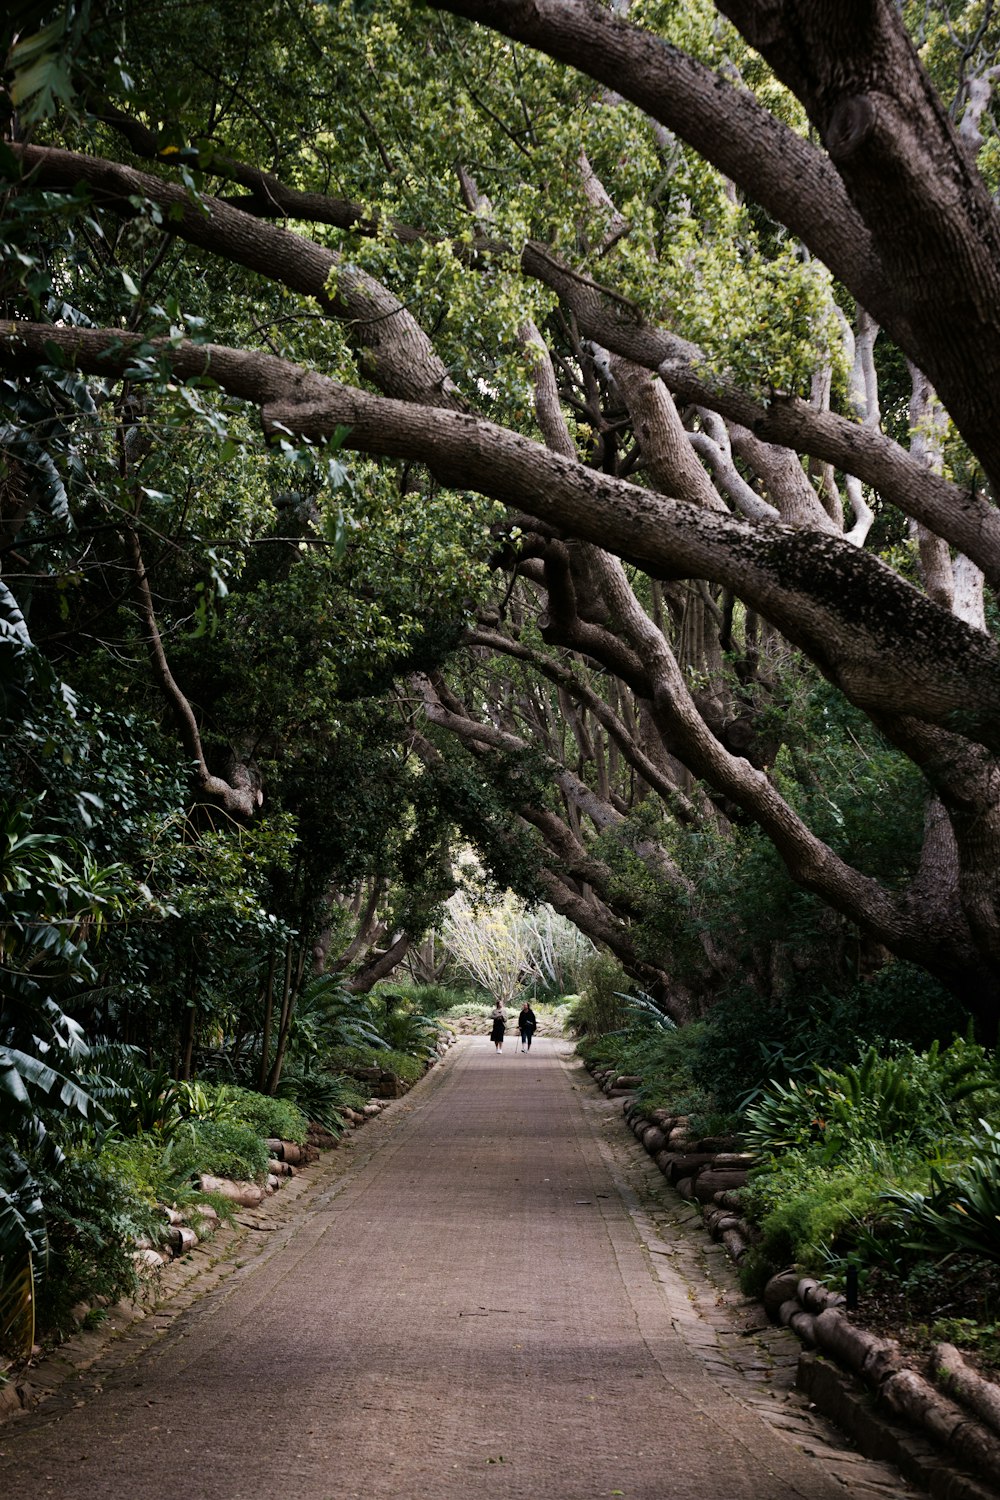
(17, 1302)
(471, 1010)
(268, 1116)
(663, 1058)
(406, 1031)
(809, 1215)
(139, 1099)
(910, 1097)
(224, 1148)
(961, 1212)
(600, 1007)
(846, 1154)
(641, 1008)
(321, 1096)
(404, 1066)
(752, 1037)
(432, 999)
(93, 1220)
(970, 1333)
(140, 1164)
(328, 1017)
(49, 911)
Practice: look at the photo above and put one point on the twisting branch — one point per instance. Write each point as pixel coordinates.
(240, 797)
(564, 677)
(910, 657)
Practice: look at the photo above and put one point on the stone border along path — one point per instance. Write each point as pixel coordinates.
(461, 1305)
(752, 1358)
(129, 1327)
(947, 1447)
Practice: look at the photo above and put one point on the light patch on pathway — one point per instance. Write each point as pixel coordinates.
(494, 1301)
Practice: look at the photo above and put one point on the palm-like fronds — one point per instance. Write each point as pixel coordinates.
(17, 1304)
(322, 1096)
(328, 1016)
(643, 1008)
(23, 1245)
(962, 1210)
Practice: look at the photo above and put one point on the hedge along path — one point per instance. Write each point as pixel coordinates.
(472, 1310)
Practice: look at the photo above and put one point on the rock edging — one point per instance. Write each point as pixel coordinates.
(175, 1275)
(958, 1413)
(200, 1220)
(958, 1410)
(706, 1170)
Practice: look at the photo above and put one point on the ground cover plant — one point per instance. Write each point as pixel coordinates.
(100, 1181)
(885, 1166)
(629, 1032)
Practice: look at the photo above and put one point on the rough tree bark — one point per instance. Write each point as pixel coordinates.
(891, 201)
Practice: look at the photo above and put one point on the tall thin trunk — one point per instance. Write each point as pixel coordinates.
(190, 1030)
(289, 990)
(265, 1046)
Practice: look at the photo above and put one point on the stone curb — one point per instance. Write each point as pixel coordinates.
(842, 1398)
(857, 1379)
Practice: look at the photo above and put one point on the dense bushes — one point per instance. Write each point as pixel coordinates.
(600, 1008)
(750, 1039)
(94, 1215)
(846, 1155)
(102, 1195)
(143, 1138)
(632, 1034)
(886, 1160)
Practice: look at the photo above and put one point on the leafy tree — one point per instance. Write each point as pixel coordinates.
(657, 326)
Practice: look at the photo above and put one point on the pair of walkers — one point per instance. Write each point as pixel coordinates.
(526, 1022)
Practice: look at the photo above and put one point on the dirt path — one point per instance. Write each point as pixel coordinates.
(481, 1307)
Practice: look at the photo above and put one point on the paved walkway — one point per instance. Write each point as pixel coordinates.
(483, 1306)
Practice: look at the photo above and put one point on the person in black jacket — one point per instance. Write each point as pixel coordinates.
(499, 1026)
(527, 1021)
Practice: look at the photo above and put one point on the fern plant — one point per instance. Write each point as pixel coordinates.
(328, 1016)
(405, 1031)
(322, 1096)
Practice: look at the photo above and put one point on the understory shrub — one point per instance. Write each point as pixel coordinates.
(662, 1056)
(600, 1007)
(919, 1097)
(849, 1155)
(224, 1148)
(141, 1164)
(408, 1068)
(962, 1209)
(93, 1219)
(266, 1114)
(432, 999)
(818, 1214)
(403, 1064)
(407, 1031)
(750, 1040)
(321, 1096)
(468, 1009)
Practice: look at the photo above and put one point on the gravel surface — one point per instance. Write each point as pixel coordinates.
(483, 1305)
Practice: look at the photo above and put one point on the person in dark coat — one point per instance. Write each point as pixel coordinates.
(527, 1021)
(499, 1027)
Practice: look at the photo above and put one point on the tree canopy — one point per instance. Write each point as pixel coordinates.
(565, 427)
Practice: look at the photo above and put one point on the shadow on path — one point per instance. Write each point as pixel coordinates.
(471, 1311)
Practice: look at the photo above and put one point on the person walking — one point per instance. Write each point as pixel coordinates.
(499, 1027)
(526, 1021)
